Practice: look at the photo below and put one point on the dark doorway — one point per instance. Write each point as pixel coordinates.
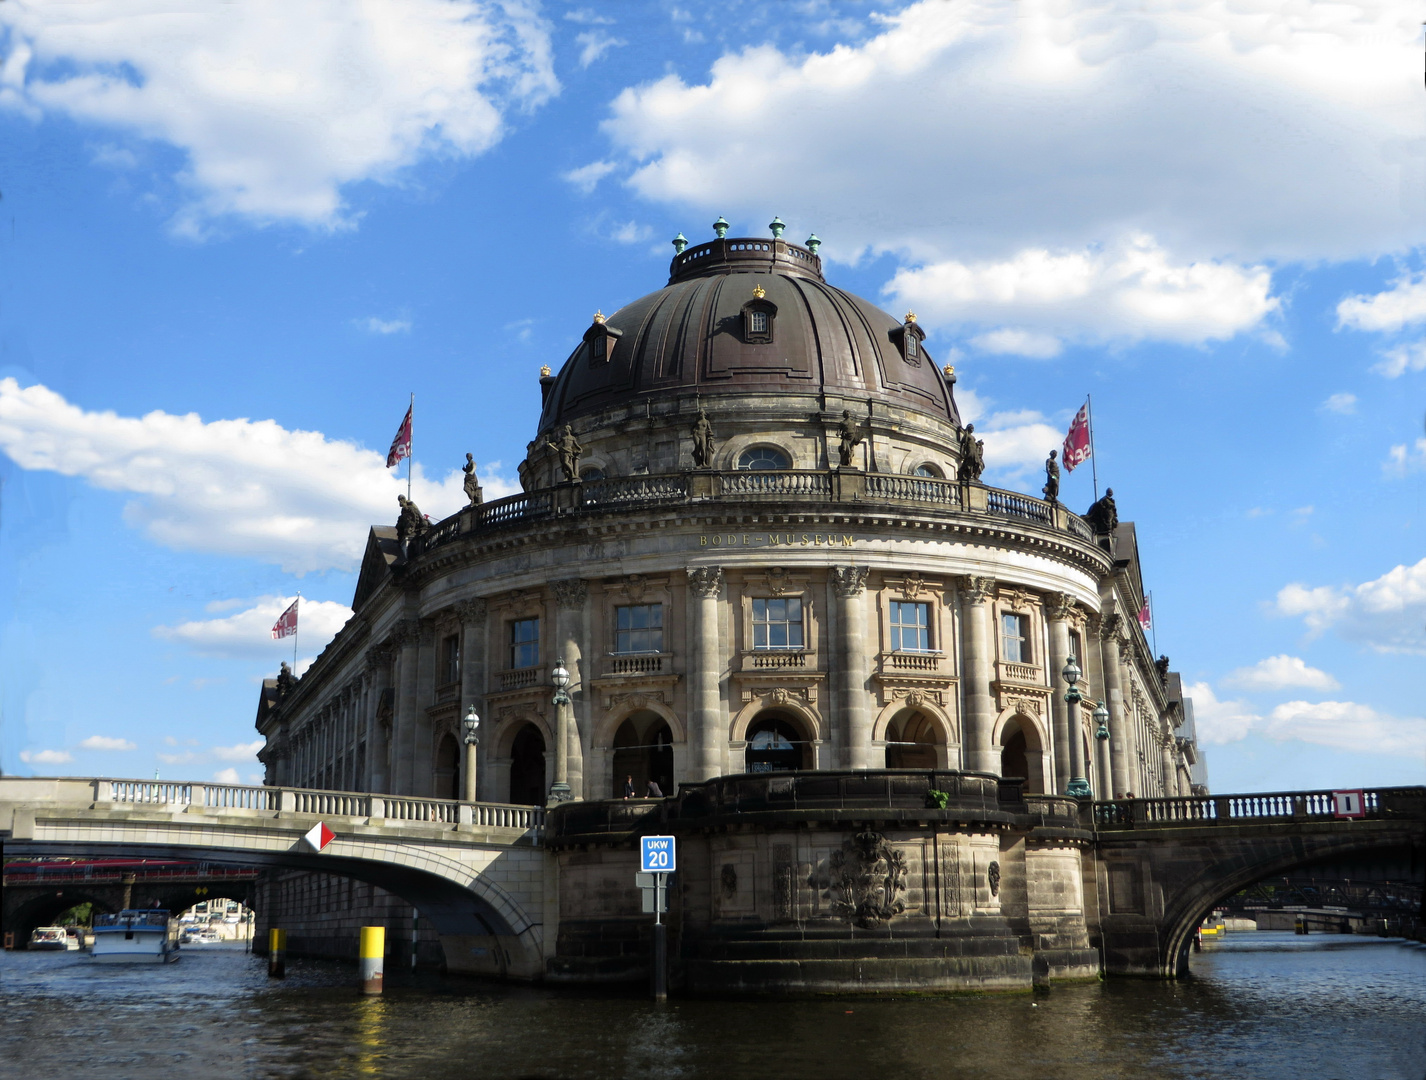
(643, 749)
(527, 767)
(775, 745)
(912, 740)
(447, 778)
(1012, 757)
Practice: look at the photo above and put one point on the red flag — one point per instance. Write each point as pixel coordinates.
(1145, 619)
(401, 445)
(286, 626)
(1077, 445)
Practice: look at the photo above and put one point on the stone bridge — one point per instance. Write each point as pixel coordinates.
(474, 870)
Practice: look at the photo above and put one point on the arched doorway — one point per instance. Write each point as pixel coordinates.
(776, 743)
(1021, 755)
(527, 767)
(447, 770)
(643, 749)
(912, 741)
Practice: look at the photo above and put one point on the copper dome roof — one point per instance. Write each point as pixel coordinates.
(692, 335)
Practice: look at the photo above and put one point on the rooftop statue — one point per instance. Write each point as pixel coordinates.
(472, 484)
(285, 681)
(1103, 516)
(702, 442)
(411, 522)
(568, 449)
(972, 456)
(851, 435)
(1052, 478)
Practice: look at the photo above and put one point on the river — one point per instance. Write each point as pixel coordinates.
(1261, 1006)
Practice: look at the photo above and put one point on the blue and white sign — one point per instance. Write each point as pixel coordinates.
(657, 855)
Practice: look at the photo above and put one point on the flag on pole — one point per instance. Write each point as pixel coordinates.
(286, 625)
(1078, 446)
(1146, 620)
(401, 445)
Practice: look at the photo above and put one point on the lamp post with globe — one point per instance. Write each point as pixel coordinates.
(1079, 785)
(559, 790)
(470, 731)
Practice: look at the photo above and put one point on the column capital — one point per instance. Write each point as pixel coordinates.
(570, 593)
(849, 580)
(705, 581)
(471, 611)
(977, 589)
(1059, 607)
(377, 657)
(406, 632)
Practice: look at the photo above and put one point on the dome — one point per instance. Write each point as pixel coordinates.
(746, 316)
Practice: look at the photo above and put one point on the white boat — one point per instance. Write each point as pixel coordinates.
(135, 935)
(49, 939)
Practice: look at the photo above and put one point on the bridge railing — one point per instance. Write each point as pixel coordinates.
(1275, 806)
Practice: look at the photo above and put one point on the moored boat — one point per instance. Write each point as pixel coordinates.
(135, 935)
(48, 939)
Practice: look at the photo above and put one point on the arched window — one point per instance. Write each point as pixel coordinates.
(759, 315)
(776, 745)
(527, 767)
(643, 752)
(447, 772)
(908, 336)
(927, 470)
(593, 472)
(763, 457)
(912, 741)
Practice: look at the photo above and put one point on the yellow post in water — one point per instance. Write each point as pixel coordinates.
(277, 953)
(372, 957)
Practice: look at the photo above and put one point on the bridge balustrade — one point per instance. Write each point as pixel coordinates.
(1237, 809)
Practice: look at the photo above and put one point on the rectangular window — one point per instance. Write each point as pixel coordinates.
(757, 322)
(524, 643)
(777, 624)
(1015, 639)
(1076, 648)
(450, 659)
(638, 628)
(910, 626)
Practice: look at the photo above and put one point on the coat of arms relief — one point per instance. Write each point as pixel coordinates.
(865, 881)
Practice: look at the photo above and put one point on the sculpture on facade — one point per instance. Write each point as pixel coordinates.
(1161, 665)
(865, 881)
(472, 483)
(411, 523)
(702, 442)
(1103, 516)
(972, 456)
(851, 438)
(285, 681)
(1052, 478)
(568, 449)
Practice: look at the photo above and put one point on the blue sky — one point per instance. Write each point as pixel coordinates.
(234, 238)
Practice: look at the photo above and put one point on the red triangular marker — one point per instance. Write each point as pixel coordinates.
(319, 836)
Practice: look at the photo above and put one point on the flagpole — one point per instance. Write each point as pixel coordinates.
(1093, 457)
(410, 444)
(1153, 622)
(296, 623)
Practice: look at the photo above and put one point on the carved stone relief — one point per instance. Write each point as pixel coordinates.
(705, 581)
(777, 581)
(784, 886)
(977, 589)
(471, 611)
(992, 878)
(913, 586)
(849, 580)
(634, 588)
(571, 592)
(729, 881)
(865, 881)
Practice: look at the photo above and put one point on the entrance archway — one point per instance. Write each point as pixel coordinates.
(1021, 754)
(527, 767)
(446, 784)
(643, 749)
(913, 741)
(776, 743)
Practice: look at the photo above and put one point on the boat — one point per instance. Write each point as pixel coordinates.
(49, 939)
(135, 935)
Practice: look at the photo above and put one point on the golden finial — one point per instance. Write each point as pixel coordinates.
(911, 316)
(949, 369)
(598, 318)
(759, 292)
(544, 371)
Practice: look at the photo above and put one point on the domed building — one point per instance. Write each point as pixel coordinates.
(752, 541)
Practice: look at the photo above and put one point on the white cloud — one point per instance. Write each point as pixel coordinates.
(104, 742)
(1388, 613)
(587, 177)
(1400, 359)
(277, 105)
(1345, 404)
(235, 487)
(981, 135)
(188, 757)
(1016, 441)
(227, 776)
(1218, 722)
(1402, 459)
(46, 757)
(248, 633)
(1281, 673)
(372, 325)
(1347, 725)
(594, 44)
(588, 17)
(240, 752)
(1131, 292)
(1404, 304)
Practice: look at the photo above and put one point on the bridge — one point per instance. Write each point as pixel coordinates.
(1154, 867)
(474, 870)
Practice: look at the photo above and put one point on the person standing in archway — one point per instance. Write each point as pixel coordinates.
(628, 787)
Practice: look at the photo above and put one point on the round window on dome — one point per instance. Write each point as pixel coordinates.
(763, 457)
(927, 470)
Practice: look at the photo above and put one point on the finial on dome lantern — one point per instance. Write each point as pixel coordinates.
(679, 243)
(720, 227)
(950, 370)
(911, 316)
(759, 292)
(544, 371)
(813, 243)
(598, 318)
(777, 225)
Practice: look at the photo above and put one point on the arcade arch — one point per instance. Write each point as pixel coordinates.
(1022, 751)
(642, 751)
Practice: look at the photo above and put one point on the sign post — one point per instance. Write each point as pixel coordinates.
(658, 857)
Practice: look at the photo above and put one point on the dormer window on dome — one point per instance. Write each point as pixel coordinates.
(758, 316)
(908, 337)
(601, 339)
(763, 457)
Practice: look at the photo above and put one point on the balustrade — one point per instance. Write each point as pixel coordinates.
(789, 483)
(913, 661)
(1234, 809)
(913, 489)
(647, 664)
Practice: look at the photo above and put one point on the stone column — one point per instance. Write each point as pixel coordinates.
(471, 614)
(707, 729)
(978, 665)
(1111, 643)
(407, 639)
(1170, 781)
(570, 596)
(1059, 607)
(852, 667)
(423, 757)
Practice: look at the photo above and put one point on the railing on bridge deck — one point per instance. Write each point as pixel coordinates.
(374, 806)
(1245, 809)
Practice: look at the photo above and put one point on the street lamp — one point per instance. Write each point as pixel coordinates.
(470, 729)
(1101, 718)
(559, 790)
(1078, 786)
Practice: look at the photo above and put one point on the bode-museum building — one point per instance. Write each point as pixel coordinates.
(754, 547)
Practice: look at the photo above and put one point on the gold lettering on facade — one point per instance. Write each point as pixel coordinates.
(777, 539)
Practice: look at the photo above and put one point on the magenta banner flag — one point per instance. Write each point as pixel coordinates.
(401, 445)
(286, 626)
(1077, 444)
